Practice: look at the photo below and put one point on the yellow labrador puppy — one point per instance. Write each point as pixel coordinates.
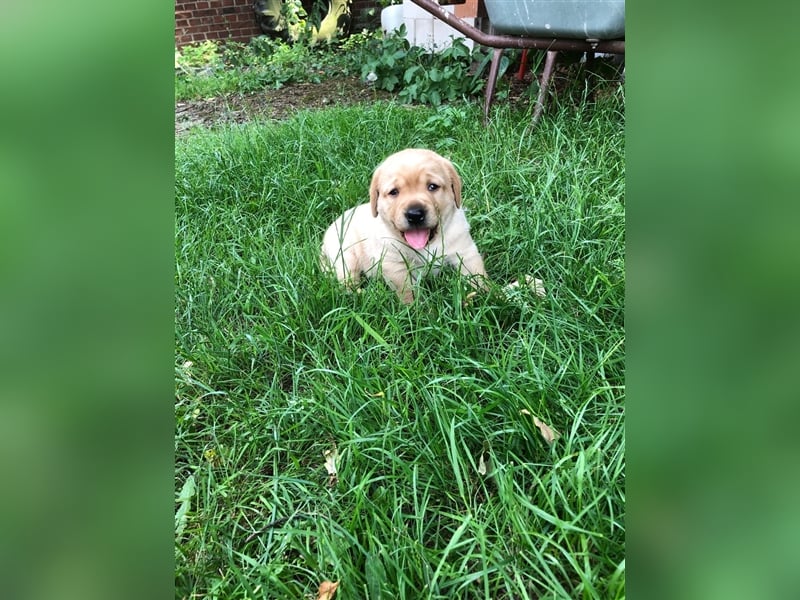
(413, 222)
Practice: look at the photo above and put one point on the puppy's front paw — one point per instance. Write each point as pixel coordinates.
(406, 297)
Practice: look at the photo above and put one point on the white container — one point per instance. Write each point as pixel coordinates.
(428, 32)
(392, 18)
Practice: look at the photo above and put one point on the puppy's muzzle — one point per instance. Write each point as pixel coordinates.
(418, 232)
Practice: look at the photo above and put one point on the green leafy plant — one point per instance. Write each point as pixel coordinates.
(289, 19)
(210, 69)
(388, 62)
(204, 55)
(425, 77)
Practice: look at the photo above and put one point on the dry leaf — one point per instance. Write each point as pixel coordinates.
(484, 466)
(327, 589)
(330, 465)
(536, 286)
(548, 433)
(469, 298)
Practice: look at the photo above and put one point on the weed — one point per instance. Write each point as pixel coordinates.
(388, 62)
(425, 77)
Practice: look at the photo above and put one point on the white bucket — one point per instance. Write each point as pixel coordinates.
(392, 18)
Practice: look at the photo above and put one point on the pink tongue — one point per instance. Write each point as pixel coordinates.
(417, 238)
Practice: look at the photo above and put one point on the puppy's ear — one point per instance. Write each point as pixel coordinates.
(455, 181)
(374, 191)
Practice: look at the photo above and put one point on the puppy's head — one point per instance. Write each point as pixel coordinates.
(415, 191)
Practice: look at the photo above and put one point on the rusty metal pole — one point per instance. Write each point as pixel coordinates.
(491, 82)
(544, 84)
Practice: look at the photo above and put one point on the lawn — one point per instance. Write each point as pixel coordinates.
(444, 486)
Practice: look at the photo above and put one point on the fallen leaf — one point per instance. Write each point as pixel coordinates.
(536, 286)
(484, 465)
(330, 465)
(548, 433)
(327, 589)
(469, 298)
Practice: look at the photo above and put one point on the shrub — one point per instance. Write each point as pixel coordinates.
(426, 77)
(387, 61)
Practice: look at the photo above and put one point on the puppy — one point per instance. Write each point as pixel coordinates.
(412, 223)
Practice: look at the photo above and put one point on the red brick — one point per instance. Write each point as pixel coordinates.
(197, 20)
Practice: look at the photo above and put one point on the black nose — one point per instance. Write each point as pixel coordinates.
(415, 216)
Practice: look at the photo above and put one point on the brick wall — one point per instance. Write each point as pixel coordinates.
(235, 20)
(199, 20)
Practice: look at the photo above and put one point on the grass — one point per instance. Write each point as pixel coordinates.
(446, 489)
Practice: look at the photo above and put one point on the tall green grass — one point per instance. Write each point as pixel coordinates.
(445, 489)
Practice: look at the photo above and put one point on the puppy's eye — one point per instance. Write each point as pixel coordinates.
(432, 187)
(394, 192)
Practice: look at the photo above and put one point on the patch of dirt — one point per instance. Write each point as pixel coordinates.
(280, 104)
(274, 104)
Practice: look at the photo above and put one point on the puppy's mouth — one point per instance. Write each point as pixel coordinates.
(418, 238)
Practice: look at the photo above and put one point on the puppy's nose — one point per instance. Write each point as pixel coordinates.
(415, 215)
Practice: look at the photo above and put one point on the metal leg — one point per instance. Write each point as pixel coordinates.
(591, 75)
(494, 68)
(523, 62)
(544, 83)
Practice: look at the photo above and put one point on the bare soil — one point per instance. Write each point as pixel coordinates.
(280, 104)
(274, 104)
